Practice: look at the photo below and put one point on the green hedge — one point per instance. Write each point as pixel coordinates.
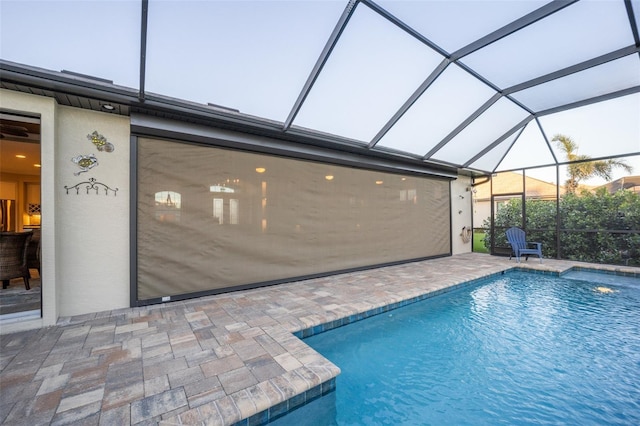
(585, 220)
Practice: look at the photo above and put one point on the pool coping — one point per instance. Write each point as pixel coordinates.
(321, 328)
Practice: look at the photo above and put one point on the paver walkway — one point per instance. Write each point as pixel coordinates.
(222, 359)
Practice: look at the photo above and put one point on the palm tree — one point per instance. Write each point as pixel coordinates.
(579, 169)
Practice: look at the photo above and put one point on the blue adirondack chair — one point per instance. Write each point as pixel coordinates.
(520, 246)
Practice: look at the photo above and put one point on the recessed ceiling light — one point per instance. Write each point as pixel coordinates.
(108, 107)
(20, 156)
(379, 182)
(329, 177)
(260, 169)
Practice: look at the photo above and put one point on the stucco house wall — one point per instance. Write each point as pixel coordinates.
(460, 214)
(92, 229)
(85, 237)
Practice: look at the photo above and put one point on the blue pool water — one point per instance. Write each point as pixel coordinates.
(521, 349)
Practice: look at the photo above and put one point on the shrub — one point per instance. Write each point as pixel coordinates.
(585, 224)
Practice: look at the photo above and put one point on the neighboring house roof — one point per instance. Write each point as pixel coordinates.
(631, 183)
(510, 182)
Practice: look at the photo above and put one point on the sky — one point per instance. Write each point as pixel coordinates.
(255, 56)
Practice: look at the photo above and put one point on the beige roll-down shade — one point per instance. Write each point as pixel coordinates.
(211, 218)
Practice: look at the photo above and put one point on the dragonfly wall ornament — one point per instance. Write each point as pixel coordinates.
(85, 163)
(100, 142)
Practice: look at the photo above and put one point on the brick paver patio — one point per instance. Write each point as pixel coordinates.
(216, 360)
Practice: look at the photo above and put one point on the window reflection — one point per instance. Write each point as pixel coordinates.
(168, 206)
(218, 210)
(233, 211)
(409, 195)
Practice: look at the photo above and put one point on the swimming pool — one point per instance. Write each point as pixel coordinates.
(520, 349)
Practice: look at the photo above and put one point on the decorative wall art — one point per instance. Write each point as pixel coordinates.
(100, 142)
(88, 162)
(85, 163)
(92, 185)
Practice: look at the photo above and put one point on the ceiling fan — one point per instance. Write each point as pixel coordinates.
(7, 130)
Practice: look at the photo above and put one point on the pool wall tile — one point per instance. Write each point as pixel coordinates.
(259, 419)
(603, 270)
(285, 407)
(278, 411)
(314, 393)
(536, 271)
(297, 401)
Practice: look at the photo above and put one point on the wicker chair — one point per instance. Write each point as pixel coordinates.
(13, 257)
(33, 251)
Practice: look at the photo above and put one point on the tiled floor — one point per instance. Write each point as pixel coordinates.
(215, 360)
(15, 298)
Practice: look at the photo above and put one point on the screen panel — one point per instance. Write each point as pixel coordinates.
(482, 131)
(373, 70)
(253, 56)
(600, 130)
(558, 41)
(610, 77)
(211, 219)
(455, 24)
(451, 98)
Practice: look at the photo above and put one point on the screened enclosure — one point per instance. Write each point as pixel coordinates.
(478, 85)
(478, 89)
(591, 223)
